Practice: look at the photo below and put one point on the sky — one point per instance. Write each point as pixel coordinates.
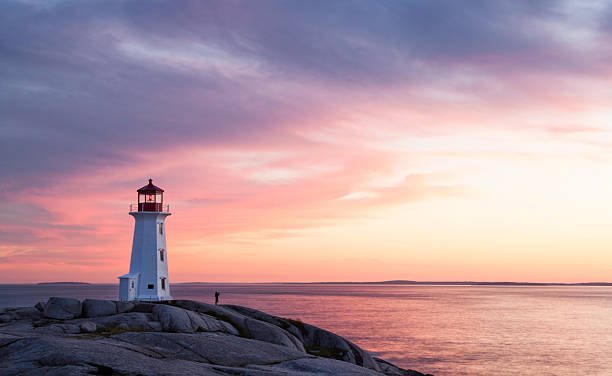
(309, 140)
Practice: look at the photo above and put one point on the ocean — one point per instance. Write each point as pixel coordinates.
(443, 330)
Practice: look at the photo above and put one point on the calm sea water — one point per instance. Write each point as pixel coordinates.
(444, 330)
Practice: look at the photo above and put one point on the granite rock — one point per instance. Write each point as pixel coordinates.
(390, 369)
(87, 327)
(175, 319)
(315, 340)
(123, 307)
(174, 338)
(62, 308)
(96, 308)
(213, 348)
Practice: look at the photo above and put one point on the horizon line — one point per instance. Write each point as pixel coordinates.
(388, 282)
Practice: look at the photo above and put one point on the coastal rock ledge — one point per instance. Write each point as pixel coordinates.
(179, 337)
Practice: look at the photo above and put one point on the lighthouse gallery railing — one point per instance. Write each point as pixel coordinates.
(163, 209)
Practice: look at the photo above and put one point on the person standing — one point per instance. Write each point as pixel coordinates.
(217, 293)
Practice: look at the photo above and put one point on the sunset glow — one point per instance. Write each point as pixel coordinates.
(363, 141)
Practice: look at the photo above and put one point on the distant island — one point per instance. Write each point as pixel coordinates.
(466, 283)
(63, 283)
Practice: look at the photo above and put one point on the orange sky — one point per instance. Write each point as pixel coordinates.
(440, 161)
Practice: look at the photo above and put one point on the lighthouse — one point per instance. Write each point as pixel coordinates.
(148, 276)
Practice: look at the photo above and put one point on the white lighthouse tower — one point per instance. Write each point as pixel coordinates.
(148, 276)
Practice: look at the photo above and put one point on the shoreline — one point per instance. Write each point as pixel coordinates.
(176, 337)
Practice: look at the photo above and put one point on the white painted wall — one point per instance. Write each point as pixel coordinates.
(145, 264)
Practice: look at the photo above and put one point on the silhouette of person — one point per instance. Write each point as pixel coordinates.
(217, 293)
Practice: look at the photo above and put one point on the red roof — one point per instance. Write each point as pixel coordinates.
(150, 188)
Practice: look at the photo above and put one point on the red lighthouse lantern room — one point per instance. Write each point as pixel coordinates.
(150, 198)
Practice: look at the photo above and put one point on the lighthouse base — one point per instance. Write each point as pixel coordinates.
(129, 287)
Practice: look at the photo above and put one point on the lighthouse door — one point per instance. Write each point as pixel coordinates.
(132, 288)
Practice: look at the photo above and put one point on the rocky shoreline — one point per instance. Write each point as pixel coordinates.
(65, 336)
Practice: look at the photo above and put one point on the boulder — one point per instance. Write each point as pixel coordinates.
(27, 313)
(62, 308)
(40, 306)
(96, 308)
(286, 324)
(220, 313)
(247, 327)
(87, 327)
(123, 307)
(269, 333)
(321, 342)
(175, 319)
(315, 340)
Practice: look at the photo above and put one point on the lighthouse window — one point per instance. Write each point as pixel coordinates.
(163, 280)
(150, 286)
(161, 255)
(141, 198)
(150, 198)
(161, 228)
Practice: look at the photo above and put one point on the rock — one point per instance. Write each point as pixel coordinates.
(40, 306)
(318, 366)
(286, 324)
(87, 327)
(215, 348)
(27, 313)
(316, 341)
(52, 329)
(143, 307)
(247, 327)
(62, 308)
(56, 355)
(321, 342)
(175, 319)
(6, 339)
(390, 369)
(126, 321)
(71, 329)
(96, 308)
(177, 338)
(217, 312)
(155, 326)
(7, 317)
(267, 332)
(123, 307)
(58, 329)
